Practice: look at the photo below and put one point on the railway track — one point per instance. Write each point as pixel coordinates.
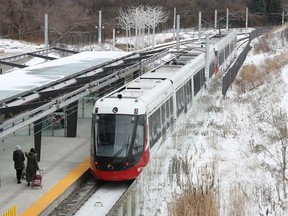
(77, 198)
(91, 194)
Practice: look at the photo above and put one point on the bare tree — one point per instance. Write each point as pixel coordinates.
(157, 16)
(141, 18)
(126, 22)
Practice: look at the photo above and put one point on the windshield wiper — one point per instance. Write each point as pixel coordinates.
(120, 151)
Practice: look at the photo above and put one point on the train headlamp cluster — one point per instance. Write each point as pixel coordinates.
(115, 110)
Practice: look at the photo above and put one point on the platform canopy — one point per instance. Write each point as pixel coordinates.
(28, 78)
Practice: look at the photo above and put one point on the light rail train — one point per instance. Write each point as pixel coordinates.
(129, 124)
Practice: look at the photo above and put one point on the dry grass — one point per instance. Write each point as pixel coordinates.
(262, 45)
(122, 47)
(252, 76)
(198, 197)
(238, 200)
(266, 44)
(195, 203)
(167, 40)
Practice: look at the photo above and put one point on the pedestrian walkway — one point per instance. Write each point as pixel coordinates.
(62, 159)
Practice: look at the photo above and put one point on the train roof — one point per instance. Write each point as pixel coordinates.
(146, 82)
(157, 82)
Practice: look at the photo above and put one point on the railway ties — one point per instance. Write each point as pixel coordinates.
(77, 198)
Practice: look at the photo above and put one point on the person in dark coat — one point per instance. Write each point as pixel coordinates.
(18, 158)
(32, 165)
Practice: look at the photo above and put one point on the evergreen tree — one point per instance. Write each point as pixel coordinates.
(258, 6)
(274, 6)
(274, 10)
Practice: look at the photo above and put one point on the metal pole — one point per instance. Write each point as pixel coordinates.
(46, 31)
(100, 28)
(178, 33)
(199, 24)
(113, 41)
(174, 23)
(215, 19)
(246, 20)
(227, 19)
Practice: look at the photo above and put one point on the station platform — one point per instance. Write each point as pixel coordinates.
(63, 161)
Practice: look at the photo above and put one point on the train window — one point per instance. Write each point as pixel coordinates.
(167, 118)
(138, 144)
(202, 77)
(211, 68)
(180, 100)
(155, 127)
(226, 51)
(190, 90)
(196, 80)
(114, 134)
(221, 57)
(171, 110)
(188, 93)
(92, 141)
(163, 118)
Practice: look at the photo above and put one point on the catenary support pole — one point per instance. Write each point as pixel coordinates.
(227, 19)
(100, 28)
(46, 31)
(199, 26)
(113, 41)
(215, 19)
(174, 23)
(246, 23)
(178, 33)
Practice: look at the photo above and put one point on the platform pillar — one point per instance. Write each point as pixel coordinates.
(37, 137)
(72, 115)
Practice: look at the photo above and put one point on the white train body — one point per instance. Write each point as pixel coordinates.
(145, 109)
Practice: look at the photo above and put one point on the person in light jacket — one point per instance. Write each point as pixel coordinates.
(32, 165)
(18, 158)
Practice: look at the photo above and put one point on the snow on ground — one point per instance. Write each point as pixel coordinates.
(227, 141)
(233, 142)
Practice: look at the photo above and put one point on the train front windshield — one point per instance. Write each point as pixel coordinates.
(119, 135)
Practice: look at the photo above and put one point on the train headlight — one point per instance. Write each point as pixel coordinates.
(110, 167)
(139, 169)
(115, 110)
